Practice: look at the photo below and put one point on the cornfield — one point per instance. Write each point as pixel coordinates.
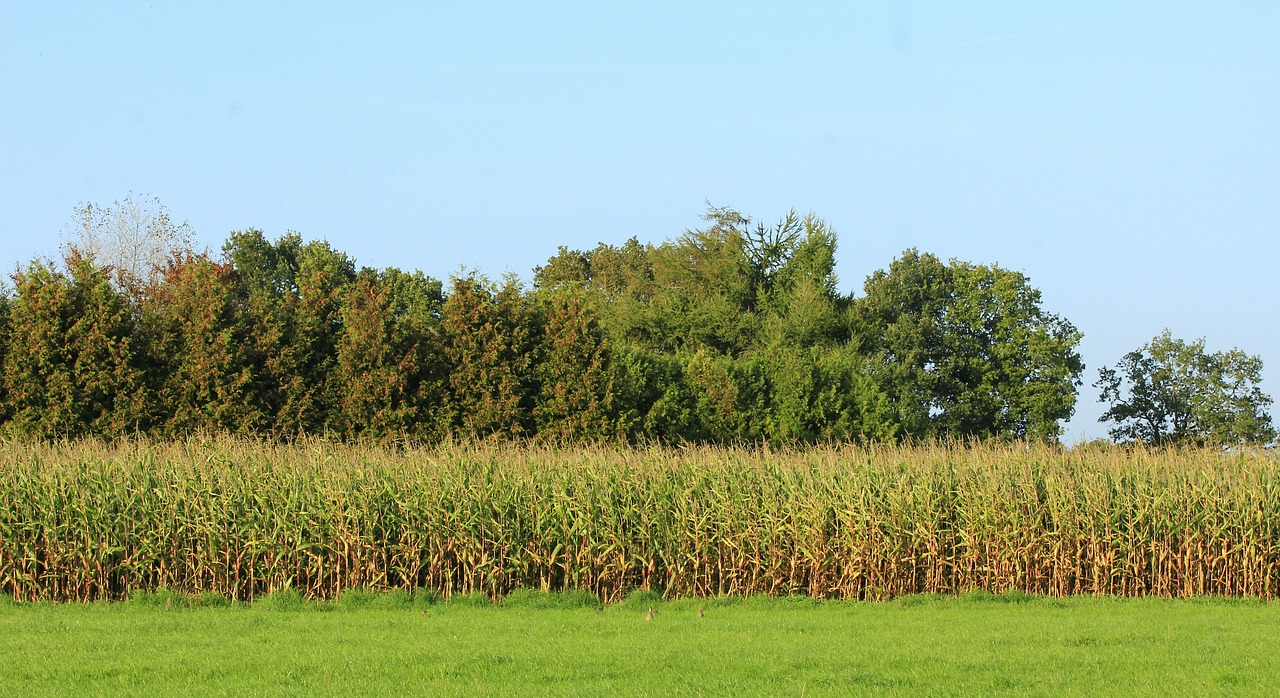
(88, 520)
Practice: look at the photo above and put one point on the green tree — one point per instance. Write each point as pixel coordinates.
(573, 371)
(688, 320)
(290, 294)
(264, 275)
(488, 339)
(72, 367)
(313, 333)
(5, 301)
(798, 289)
(388, 373)
(825, 394)
(620, 282)
(1174, 392)
(966, 350)
(196, 338)
(704, 287)
(261, 267)
(652, 398)
(715, 287)
(717, 397)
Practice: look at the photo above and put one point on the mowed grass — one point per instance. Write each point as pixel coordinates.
(544, 645)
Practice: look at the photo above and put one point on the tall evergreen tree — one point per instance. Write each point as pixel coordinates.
(313, 333)
(488, 339)
(4, 349)
(264, 276)
(72, 367)
(573, 372)
(290, 294)
(387, 372)
(197, 340)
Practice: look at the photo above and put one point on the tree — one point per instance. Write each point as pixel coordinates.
(197, 339)
(797, 290)
(489, 338)
(290, 295)
(619, 280)
(71, 367)
(134, 237)
(573, 372)
(313, 332)
(4, 346)
(264, 274)
(965, 350)
(729, 287)
(1172, 392)
(387, 370)
(822, 394)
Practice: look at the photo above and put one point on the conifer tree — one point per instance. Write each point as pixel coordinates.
(289, 293)
(197, 340)
(574, 376)
(313, 331)
(72, 368)
(387, 368)
(488, 340)
(4, 348)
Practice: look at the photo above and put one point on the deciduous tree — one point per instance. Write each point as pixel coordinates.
(133, 238)
(966, 350)
(1174, 392)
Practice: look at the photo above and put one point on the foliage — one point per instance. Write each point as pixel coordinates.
(71, 367)
(290, 295)
(489, 339)
(825, 396)
(311, 334)
(5, 302)
(388, 373)
(731, 332)
(196, 338)
(1174, 392)
(728, 288)
(573, 372)
(967, 351)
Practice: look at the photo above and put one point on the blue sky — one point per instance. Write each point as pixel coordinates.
(1125, 156)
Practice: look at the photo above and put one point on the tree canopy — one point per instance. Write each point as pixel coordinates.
(967, 350)
(1170, 391)
(733, 331)
(131, 238)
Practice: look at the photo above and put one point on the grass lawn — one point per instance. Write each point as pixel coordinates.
(546, 645)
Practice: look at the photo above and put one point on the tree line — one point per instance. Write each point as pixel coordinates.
(732, 332)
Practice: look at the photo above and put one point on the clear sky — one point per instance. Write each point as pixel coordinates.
(1125, 156)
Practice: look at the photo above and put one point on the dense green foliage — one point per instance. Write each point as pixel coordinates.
(72, 365)
(540, 645)
(84, 521)
(734, 332)
(1174, 392)
(966, 349)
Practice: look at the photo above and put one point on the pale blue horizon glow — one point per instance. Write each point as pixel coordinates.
(1125, 156)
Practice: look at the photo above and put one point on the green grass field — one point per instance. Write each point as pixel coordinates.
(555, 645)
